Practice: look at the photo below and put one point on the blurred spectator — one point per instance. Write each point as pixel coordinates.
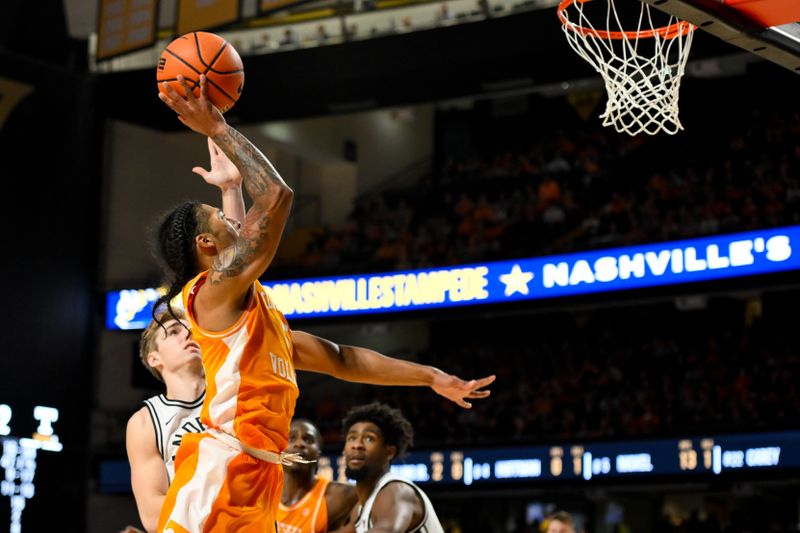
(322, 34)
(266, 44)
(289, 38)
(443, 14)
(559, 522)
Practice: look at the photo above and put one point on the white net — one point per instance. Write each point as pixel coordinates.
(642, 66)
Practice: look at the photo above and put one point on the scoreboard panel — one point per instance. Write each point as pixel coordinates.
(586, 462)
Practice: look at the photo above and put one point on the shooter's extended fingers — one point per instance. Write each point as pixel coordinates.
(203, 87)
(187, 91)
(170, 95)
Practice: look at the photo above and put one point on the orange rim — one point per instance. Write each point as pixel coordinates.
(667, 32)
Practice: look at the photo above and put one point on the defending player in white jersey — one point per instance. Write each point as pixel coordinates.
(375, 434)
(154, 431)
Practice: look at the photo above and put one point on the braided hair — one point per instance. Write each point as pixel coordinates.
(174, 247)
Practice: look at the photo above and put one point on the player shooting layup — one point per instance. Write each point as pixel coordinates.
(229, 478)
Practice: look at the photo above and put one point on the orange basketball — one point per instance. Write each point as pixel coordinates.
(199, 53)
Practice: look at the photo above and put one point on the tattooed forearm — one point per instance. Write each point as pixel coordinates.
(264, 222)
(259, 176)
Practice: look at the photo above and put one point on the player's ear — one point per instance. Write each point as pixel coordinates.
(391, 453)
(205, 244)
(153, 359)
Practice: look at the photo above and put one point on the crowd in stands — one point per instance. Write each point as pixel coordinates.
(635, 372)
(575, 188)
(573, 185)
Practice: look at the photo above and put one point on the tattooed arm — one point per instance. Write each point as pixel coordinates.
(239, 264)
(263, 223)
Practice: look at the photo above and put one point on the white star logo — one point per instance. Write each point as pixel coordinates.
(516, 281)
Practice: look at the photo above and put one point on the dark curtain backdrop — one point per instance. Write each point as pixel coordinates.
(49, 162)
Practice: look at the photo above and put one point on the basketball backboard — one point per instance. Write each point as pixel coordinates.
(768, 28)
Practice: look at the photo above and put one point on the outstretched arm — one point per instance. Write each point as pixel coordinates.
(238, 265)
(362, 365)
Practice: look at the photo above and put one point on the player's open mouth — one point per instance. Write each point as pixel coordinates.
(192, 346)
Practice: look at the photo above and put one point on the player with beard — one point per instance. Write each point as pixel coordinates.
(309, 503)
(375, 435)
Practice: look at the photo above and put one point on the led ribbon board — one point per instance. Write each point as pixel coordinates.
(712, 455)
(693, 457)
(613, 269)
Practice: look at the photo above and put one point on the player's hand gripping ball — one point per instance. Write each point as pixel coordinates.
(199, 53)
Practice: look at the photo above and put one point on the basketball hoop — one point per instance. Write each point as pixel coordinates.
(641, 68)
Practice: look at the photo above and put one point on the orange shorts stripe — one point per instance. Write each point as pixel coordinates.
(217, 488)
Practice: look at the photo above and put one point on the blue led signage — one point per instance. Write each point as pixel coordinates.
(614, 269)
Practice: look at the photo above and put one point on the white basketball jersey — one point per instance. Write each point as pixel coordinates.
(171, 419)
(429, 524)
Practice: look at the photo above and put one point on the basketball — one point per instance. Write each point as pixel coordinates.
(198, 53)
